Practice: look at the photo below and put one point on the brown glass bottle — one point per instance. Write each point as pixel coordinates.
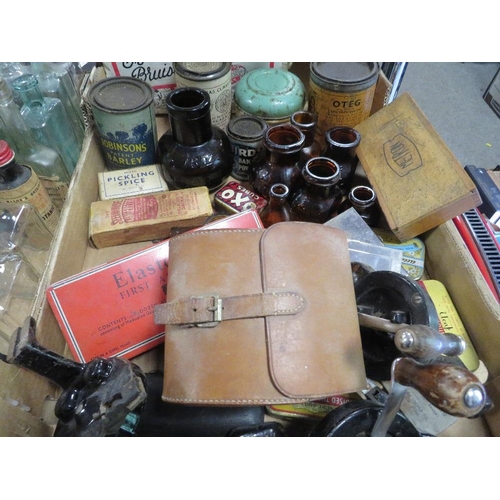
(364, 200)
(282, 144)
(318, 197)
(193, 152)
(341, 145)
(20, 184)
(277, 209)
(307, 123)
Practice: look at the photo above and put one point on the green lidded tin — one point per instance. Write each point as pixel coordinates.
(124, 115)
(270, 93)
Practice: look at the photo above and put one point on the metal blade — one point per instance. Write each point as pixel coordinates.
(390, 410)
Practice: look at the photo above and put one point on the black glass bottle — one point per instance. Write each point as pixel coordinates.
(341, 145)
(318, 197)
(193, 152)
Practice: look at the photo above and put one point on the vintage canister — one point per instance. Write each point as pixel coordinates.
(124, 115)
(270, 93)
(214, 78)
(245, 134)
(341, 93)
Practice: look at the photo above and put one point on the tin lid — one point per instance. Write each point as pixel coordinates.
(248, 128)
(202, 71)
(270, 93)
(345, 72)
(120, 94)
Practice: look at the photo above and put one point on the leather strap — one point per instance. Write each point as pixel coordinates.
(209, 310)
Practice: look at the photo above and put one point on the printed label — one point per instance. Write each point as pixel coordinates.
(134, 210)
(339, 108)
(33, 192)
(58, 190)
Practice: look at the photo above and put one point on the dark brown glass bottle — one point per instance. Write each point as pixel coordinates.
(282, 144)
(318, 197)
(341, 145)
(364, 200)
(193, 152)
(307, 123)
(20, 184)
(277, 209)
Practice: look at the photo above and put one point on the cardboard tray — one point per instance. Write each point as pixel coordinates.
(27, 400)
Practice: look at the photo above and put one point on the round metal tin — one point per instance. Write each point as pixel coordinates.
(270, 93)
(341, 93)
(124, 116)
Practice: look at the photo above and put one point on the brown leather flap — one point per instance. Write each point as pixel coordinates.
(317, 351)
(260, 316)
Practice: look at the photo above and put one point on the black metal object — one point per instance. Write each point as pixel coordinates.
(395, 297)
(97, 396)
(357, 419)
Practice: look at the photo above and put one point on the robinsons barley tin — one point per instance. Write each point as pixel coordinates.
(341, 93)
(124, 115)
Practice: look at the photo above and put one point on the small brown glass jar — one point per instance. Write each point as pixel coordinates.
(364, 200)
(278, 209)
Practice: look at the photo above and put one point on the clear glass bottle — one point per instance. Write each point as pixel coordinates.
(277, 209)
(9, 71)
(341, 145)
(23, 232)
(60, 85)
(48, 120)
(319, 196)
(283, 143)
(194, 152)
(45, 161)
(364, 200)
(307, 123)
(20, 184)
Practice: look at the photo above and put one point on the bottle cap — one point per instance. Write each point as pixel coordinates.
(6, 154)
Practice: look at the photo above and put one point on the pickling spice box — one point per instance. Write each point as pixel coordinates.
(27, 400)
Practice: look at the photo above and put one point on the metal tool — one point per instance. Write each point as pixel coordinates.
(98, 397)
(421, 342)
(452, 389)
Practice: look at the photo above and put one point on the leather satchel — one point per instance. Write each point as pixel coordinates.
(260, 316)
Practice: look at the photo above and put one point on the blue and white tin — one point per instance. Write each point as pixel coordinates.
(124, 115)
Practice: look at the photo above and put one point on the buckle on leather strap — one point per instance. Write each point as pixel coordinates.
(215, 308)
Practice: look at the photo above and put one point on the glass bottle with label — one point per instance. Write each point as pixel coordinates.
(60, 86)
(319, 196)
(283, 144)
(48, 120)
(278, 209)
(341, 146)
(193, 152)
(45, 161)
(20, 184)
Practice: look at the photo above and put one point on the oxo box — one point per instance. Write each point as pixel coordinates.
(108, 310)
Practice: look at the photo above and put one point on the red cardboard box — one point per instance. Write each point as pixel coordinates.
(107, 311)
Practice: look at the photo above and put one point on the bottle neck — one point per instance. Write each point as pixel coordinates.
(191, 132)
(278, 194)
(29, 90)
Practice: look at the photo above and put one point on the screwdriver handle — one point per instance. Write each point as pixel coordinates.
(424, 342)
(452, 389)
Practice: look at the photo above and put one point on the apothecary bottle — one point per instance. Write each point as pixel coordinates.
(48, 120)
(45, 161)
(341, 146)
(277, 208)
(307, 123)
(318, 196)
(9, 71)
(193, 152)
(20, 184)
(282, 143)
(364, 200)
(60, 85)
